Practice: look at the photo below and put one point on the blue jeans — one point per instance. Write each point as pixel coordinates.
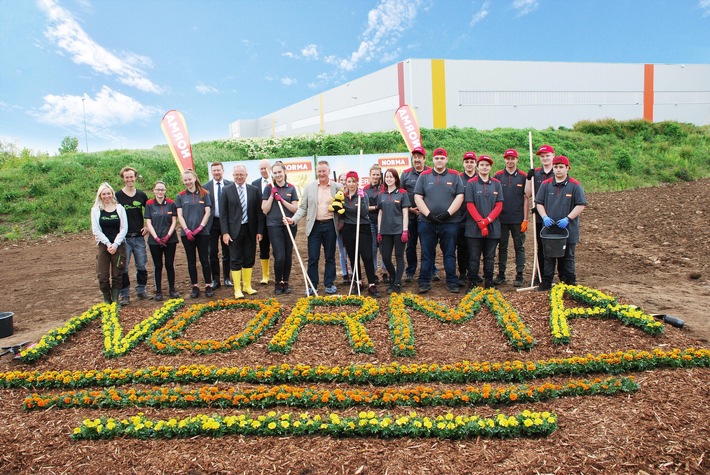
(322, 234)
(445, 234)
(411, 250)
(343, 255)
(135, 246)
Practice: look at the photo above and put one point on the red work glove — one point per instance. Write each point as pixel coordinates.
(277, 197)
(198, 229)
(482, 224)
(166, 238)
(189, 234)
(524, 227)
(405, 236)
(484, 231)
(360, 193)
(379, 238)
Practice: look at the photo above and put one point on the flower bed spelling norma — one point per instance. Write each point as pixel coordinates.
(284, 385)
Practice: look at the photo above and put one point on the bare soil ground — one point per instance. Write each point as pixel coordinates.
(648, 247)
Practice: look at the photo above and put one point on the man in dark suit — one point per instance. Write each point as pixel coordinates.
(242, 225)
(264, 245)
(216, 186)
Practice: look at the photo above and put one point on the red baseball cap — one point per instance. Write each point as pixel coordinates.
(560, 159)
(440, 152)
(511, 152)
(419, 150)
(545, 149)
(352, 174)
(469, 156)
(485, 158)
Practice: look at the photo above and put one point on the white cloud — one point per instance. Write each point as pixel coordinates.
(525, 6)
(704, 5)
(103, 112)
(289, 54)
(480, 14)
(205, 89)
(287, 81)
(70, 37)
(385, 25)
(310, 51)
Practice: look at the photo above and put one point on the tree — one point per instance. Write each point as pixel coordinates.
(69, 145)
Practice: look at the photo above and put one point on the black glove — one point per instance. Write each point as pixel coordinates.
(433, 218)
(443, 216)
(531, 174)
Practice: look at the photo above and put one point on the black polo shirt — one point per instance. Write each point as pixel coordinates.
(513, 185)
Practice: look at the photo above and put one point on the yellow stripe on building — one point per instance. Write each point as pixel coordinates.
(438, 93)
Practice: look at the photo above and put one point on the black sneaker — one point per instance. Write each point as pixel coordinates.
(195, 293)
(436, 277)
(544, 286)
(397, 288)
(424, 288)
(142, 295)
(409, 278)
(488, 283)
(216, 285)
(519, 282)
(346, 278)
(499, 279)
(372, 290)
(123, 301)
(208, 291)
(389, 289)
(279, 288)
(158, 296)
(174, 294)
(286, 288)
(454, 289)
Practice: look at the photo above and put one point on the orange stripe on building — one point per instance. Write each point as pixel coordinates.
(400, 83)
(648, 92)
(438, 93)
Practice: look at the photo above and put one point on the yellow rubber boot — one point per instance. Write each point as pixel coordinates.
(237, 281)
(264, 271)
(246, 281)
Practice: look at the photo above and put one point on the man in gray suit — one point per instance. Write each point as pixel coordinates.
(242, 223)
(216, 186)
(321, 225)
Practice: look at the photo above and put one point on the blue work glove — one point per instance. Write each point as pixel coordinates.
(548, 222)
(563, 223)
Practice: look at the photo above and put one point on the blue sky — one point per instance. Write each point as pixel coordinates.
(218, 61)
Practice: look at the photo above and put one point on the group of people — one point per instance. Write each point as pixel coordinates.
(469, 215)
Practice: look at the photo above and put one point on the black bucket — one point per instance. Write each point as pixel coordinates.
(6, 324)
(554, 244)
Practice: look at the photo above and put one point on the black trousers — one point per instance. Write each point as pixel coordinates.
(283, 251)
(242, 250)
(264, 245)
(157, 252)
(215, 242)
(476, 247)
(565, 266)
(364, 249)
(200, 246)
(389, 242)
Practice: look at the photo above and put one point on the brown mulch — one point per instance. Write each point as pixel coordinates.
(626, 250)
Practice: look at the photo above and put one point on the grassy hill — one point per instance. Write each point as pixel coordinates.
(53, 195)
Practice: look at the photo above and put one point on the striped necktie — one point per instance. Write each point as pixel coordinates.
(243, 201)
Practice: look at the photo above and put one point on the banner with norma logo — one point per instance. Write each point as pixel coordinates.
(341, 164)
(175, 130)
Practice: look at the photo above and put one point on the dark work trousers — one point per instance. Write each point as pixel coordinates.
(323, 234)
(199, 246)
(283, 251)
(349, 233)
(476, 247)
(445, 235)
(565, 266)
(109, 267)
(462, 251)
(157, 252)
(215, 243)
(390, 241)
(541, 254)
(264, 245)
(506, 230)
(242, 250)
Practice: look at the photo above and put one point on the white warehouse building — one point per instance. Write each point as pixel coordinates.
(491, 94)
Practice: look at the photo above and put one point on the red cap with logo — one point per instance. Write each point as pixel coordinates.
(560, 159)
(545, 149)
(511, 152)
(485, 158)
(440, 152)
(469, 156)
(352, 174)
(419, 150)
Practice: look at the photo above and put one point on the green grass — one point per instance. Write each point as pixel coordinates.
(53, 195)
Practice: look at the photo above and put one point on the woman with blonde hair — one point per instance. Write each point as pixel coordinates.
(194, 206)
(109, 225)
